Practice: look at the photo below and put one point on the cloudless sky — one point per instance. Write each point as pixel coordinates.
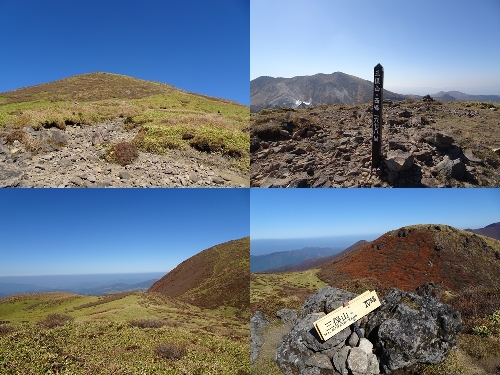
(96, 231)
(298, 213)
(196, 45)
(424, 46)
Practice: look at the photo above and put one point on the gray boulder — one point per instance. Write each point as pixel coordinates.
(325, 300)
(439, 139)
(257, 324)
(451, 168)
(10, 175)
(287, 316)
(57, 137)
(398, 160)
(408, 329)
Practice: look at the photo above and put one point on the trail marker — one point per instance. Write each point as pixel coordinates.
(344, 316)
(378, 89)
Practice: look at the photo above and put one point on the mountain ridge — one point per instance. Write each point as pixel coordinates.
(334, 88)
(491, 230)
(95, 86)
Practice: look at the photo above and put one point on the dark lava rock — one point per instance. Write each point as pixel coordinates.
(408, 329)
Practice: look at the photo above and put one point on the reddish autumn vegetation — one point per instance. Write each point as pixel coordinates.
(415, 255)
(216, 277)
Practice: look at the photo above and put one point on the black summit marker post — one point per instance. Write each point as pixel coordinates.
(378, 88)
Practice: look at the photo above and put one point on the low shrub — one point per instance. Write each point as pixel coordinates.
(170, 351)
(122, 153)
(147, 323)
(6, 329)
(54, 320)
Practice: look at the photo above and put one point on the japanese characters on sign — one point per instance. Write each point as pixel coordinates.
(337, 320)
(378, 88)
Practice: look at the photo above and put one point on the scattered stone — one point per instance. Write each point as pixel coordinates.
(124, 175)
(52, 157)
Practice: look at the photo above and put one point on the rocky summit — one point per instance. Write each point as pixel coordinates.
(75, 157)
(406, 330)
(425, 144)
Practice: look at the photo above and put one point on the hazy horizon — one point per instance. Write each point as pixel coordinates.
(115, 231)
(264, 246)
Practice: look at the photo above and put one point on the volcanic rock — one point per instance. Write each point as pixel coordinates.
(408, 329)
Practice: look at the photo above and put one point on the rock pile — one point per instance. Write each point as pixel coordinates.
(407, 329)
(74, 158)
(328, 147)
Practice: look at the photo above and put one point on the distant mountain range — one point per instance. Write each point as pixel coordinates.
(288, 259)
(314, 257)
(216, 277)
(492, 230)
(315, 262)
(304, 91)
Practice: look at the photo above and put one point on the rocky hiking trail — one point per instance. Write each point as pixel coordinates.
(425, 144)
(74, 157)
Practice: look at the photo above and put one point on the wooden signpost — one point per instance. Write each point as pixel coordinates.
(378, 88)
(344, 316)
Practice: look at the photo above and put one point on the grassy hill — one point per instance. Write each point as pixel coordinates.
(216, 278)
(126, 333)
(163, 116)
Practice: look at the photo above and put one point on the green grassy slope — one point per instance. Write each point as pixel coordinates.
(103, 338)
(163, 116)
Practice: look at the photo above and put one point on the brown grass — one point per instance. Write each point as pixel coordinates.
(170, 351)
(218, 276)
(54, 320)
(122, 153)
(147, 323)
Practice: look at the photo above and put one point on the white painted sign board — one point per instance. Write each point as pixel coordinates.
(344, 316)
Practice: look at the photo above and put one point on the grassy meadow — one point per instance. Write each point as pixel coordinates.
(125, 333)
(161, 116)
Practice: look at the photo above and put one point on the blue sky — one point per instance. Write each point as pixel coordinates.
(95, 231)
(298, 213)
(196, 45)
(424, 46)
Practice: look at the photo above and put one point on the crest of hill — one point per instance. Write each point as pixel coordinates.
(338, 87)
(492, 230)
(92, 87)
(216, 277)
(414, 255)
